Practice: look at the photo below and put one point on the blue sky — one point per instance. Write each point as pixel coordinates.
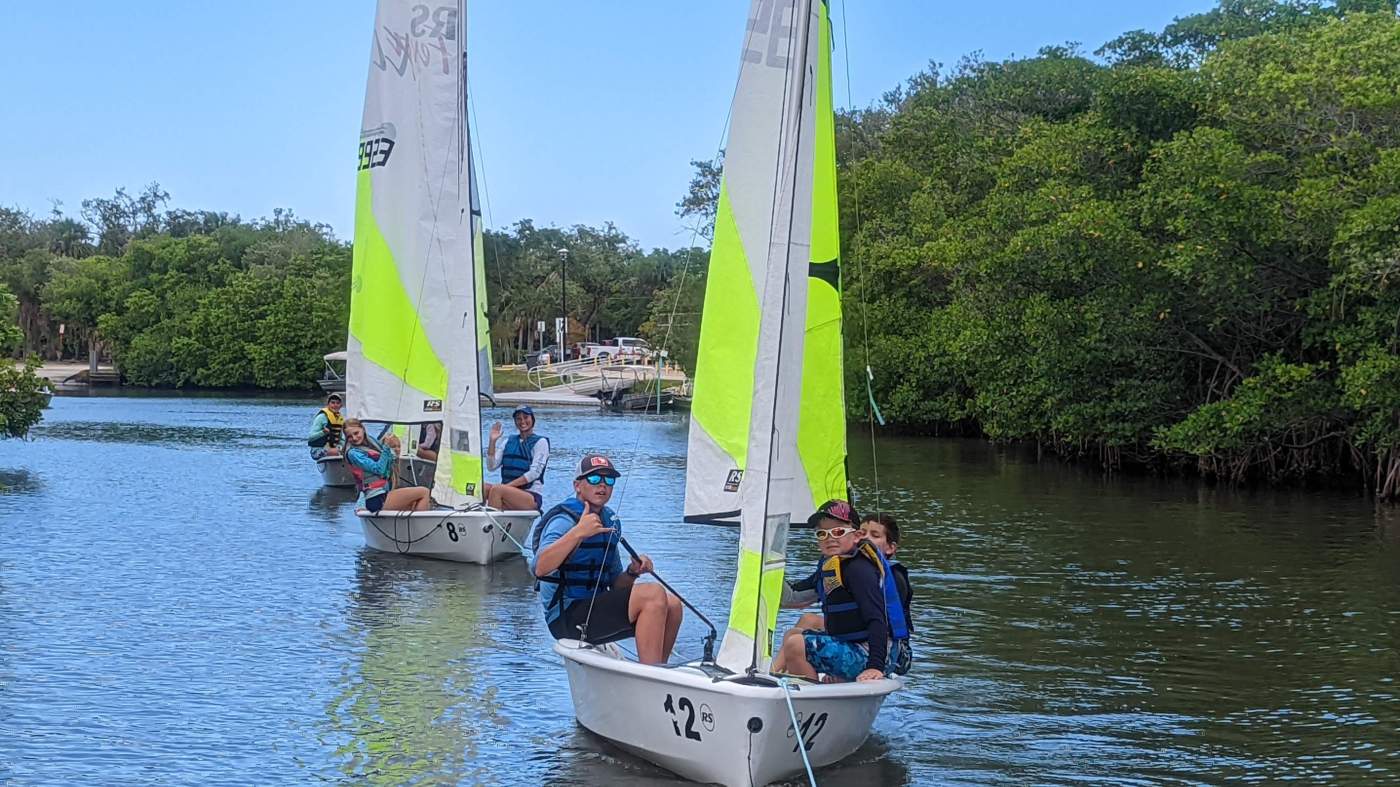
(586, 112)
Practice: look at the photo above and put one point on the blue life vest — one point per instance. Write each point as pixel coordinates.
(516, 459)
(842, 613)
(581, 575)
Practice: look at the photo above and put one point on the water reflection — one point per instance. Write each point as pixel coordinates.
(203, 437)
(20, 482)
(1069, 627)
(330, 502)
(414, 704)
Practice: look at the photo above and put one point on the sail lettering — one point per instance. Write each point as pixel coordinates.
(768, 26)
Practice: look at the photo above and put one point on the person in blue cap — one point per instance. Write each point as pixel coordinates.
(522, 459)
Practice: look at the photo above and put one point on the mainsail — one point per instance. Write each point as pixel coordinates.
(413, 314)
(718, 458)
(743, 458)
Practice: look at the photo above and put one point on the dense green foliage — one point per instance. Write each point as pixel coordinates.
(21, 391)
(179, 298)
(1184, 257)
(1183, 254)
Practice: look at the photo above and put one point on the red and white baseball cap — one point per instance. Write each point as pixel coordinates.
(596, 463)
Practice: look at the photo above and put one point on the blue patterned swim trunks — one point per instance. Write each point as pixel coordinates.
(838, 658)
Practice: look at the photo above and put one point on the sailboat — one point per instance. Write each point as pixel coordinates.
(770, 339)
(417, 300)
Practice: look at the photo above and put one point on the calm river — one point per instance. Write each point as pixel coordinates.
(180, 602)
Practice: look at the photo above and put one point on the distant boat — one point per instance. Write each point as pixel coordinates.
(334, 471)
(333, 379)
(417, 297)
(767, 437)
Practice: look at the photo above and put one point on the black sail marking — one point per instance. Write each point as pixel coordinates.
(829, 272)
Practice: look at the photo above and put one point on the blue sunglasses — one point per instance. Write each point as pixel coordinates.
(598, 478)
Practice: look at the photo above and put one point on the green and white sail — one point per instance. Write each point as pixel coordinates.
(413, 314)
(483, 323)
(717, 455)
(743, 461)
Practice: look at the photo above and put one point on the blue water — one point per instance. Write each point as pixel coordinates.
(180, 602)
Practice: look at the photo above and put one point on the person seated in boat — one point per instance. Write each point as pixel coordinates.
(522, 458)
(879, 529)
(586, 592)
(326, 428)
(883, 531)
(429, 437)
(862, 616)
(372, 464)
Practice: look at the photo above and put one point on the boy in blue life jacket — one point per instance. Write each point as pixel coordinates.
(861, 613)
(585, 591)
(883, 531)
(522, 458)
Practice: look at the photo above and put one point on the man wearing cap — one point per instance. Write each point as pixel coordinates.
(585, 591)
(522, 459)
(326, 427)
(848, 583)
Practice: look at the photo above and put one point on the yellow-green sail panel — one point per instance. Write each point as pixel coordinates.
(821, 436)
(384, 322)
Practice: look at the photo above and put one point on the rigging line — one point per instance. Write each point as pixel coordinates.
(488, 219)
(797, 731)
(864, 282)
(689, 254)
(798, 43)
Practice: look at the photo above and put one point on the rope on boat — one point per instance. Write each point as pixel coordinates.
(874, 412)
(709, 638)
(796, 731)
(497, 524)
(403, 546)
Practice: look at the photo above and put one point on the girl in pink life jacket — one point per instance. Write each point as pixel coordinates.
(372, 464)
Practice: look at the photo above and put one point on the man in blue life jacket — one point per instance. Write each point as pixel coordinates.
(861, 612)
(326, 428)
(577, 562)
(522, 458)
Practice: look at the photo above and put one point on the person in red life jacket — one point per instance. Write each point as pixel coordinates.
(372, 464)
(585, 591)
(862, 616)
(522, 458)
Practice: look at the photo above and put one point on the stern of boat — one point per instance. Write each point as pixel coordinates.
(461, 536)
(726, 731)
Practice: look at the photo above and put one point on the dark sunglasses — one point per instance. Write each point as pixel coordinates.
(598, 478)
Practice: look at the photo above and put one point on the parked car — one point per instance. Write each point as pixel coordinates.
(622, 348)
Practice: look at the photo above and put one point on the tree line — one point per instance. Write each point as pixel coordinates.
(1178, 253)
(201, 298)
(1181, 254)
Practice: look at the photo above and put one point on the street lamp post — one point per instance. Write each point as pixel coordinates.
(563, 302)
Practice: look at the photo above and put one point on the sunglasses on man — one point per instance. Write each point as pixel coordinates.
(598, 478)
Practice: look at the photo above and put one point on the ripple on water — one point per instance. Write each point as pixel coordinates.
(181, 602)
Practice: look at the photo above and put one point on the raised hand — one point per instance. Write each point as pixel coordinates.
(590, 525)
(495, 431)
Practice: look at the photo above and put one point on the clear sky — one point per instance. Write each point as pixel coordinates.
(586, 112)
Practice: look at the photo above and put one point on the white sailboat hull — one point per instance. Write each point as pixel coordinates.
(415, 471)
(718, 731)
(334, 471)
(460, 536)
